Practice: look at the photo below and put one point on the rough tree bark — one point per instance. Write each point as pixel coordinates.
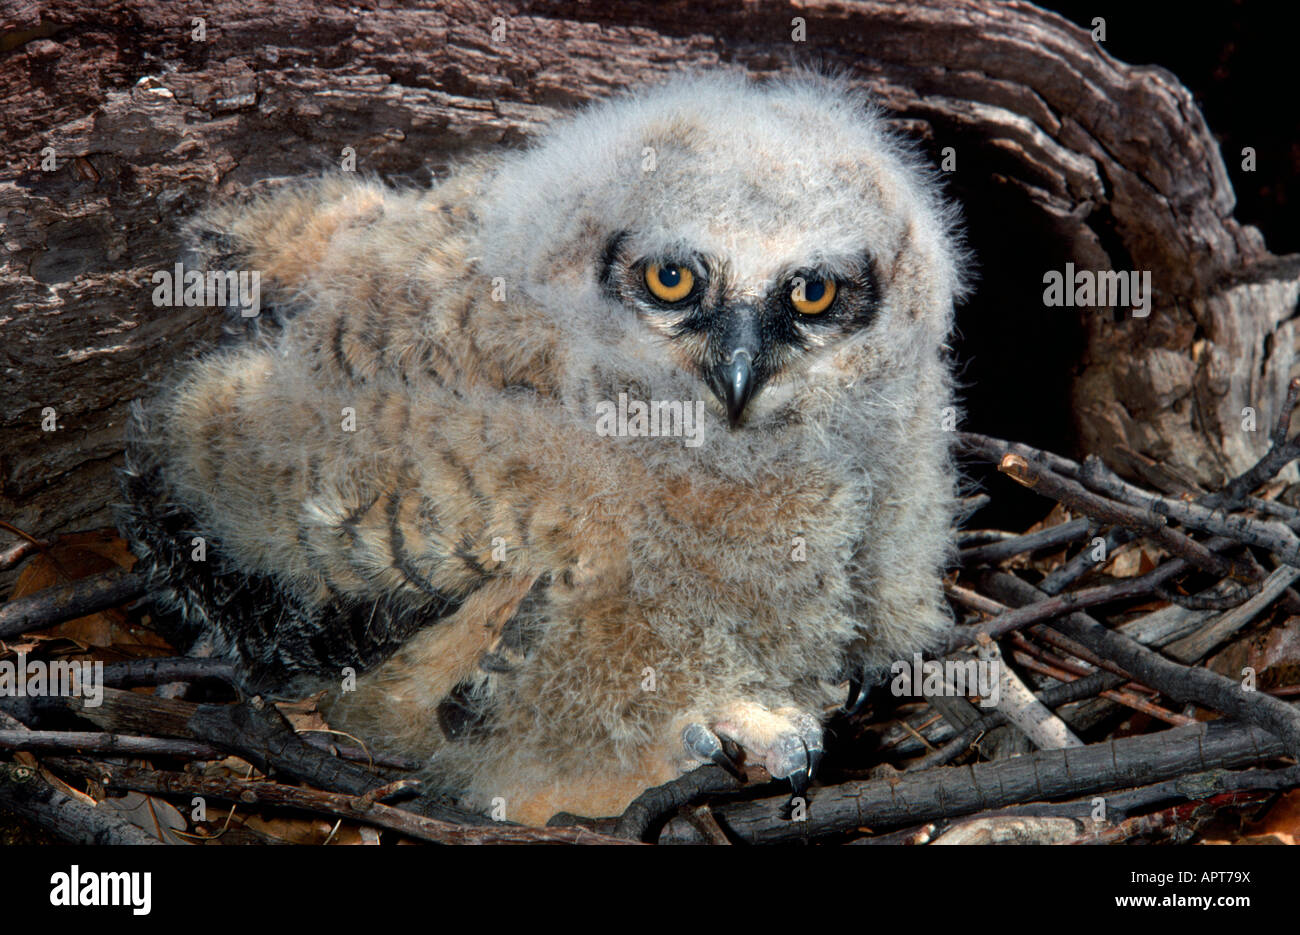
(1111, 164)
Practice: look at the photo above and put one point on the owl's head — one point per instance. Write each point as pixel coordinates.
(751, 239)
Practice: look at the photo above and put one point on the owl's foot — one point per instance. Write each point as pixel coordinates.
(787, 741)
(705, 744)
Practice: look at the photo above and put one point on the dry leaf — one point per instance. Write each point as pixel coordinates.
(157, 817)
(70, 558)
(1274, 654)
(1055, 517)
(304, 714)
(1128, 562)
(232, 767)
(1046, 563)
(66, 789)
(1282, 821)
(302, 830)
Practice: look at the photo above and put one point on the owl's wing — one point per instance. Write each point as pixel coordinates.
(339, 469)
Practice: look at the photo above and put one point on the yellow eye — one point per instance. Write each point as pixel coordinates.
(812, 296)
(669, 283)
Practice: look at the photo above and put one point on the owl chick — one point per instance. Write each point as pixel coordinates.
(587, 459)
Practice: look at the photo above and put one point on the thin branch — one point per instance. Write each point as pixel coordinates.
(950, 791)
(653, 804)
(1104, 509)
(57, 605)
(1054, 697)
(92, 742)
(19, 551)
(1119, 695)
(969, 537)
(993, 450)
(256, 731)
(1179, 682)
(1207, 601)
(26, 793)
(1275, 537)
(1050, 538)
(169, 669)
(360, 808)
(1081, 564)
(359, 754)
(1024, 711)
(1173, 817)
(1051, 607)
(1197, 795)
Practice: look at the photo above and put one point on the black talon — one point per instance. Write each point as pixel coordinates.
(814, 762)
(854, 653)
(732, 749)
(726, 762)
(705, 744)
(856, 696)
(800, 778)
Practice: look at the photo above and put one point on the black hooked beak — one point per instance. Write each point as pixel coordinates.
(734, 379)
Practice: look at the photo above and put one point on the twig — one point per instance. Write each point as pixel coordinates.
(909, 837)
(359, 754)
(25, 793)
(968, 537)
(1197, 645)
(949, 791)
(1045, 634)
(164, 670)
(1196, 795)
(1169, 818)
(1283, 424)
(1275, 537)
(1081, 564)
(57, 605)
(1051, 607)
(1026, 648)
(360, 808)
(1104, 509)
(655, 803)
(1206, 601)
(1077, 670)
(975, 502)
(974, 600)
(1194, 787)
(256, 731)
(1182, 683)
(93, 742)
(19, 551)
(387, 791)
(1287, 513)
(1053, 697)
(993, 450)
(701, 819)
(1023, 710)
(1235, 493)
(1052, 537)
(1119, 695)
